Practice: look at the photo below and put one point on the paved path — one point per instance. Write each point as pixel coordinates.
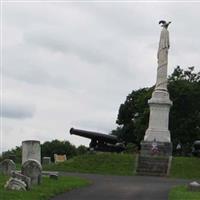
(121, 188)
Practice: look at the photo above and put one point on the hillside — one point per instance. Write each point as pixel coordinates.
(124, 164)
(100, 163)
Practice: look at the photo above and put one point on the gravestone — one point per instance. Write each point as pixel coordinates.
(31, 150)
(25, 179)
(33, 169)
(7, 166)
(46, 160)
(194, 186)
(59, 158)
(15, 184)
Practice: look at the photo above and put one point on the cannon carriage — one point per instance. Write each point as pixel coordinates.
(100, 141)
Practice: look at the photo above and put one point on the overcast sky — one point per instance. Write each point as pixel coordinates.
(72, 64)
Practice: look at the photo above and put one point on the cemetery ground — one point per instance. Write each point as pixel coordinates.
(119, 170)
(46, 190)
(123, 164)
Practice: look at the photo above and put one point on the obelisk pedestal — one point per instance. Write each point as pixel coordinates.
(156, 149)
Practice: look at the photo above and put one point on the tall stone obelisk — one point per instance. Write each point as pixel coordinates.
(160, 102)
(156, 149)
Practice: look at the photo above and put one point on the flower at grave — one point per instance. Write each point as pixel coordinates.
(154, 147)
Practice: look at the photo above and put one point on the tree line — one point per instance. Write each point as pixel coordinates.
(48, 149)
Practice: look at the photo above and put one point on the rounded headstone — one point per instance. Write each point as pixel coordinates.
(33, 169)
(31, 150)
(7, 166)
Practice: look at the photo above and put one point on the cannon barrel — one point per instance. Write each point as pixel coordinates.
(95, 135)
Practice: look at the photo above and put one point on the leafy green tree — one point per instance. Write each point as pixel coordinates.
(133, 116)
(16, 152)
(184, 121)
(184, 124)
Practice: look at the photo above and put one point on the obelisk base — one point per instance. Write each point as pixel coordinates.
(154, 158)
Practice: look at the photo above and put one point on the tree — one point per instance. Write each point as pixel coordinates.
(184, 120)
(58, 147)
(184, 124)
(133, 116)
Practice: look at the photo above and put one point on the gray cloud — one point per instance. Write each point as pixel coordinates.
(77, 62)
(17, 111)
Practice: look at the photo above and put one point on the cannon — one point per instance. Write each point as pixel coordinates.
(100, 141)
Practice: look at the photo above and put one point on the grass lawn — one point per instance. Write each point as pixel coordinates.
(47, 189)
(185, 167)
(181, 193)
(100, 163)
(124, 164)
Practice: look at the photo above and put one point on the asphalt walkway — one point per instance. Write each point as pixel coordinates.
(121, 188)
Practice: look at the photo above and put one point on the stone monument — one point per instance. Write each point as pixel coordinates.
(156, 149)
(33, 169)
(31, 150)
(7, 166)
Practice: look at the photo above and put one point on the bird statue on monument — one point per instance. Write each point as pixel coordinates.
(164, 23)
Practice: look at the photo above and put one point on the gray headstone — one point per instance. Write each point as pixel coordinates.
(31, 150)
(194, 186)
(33, 169)
(7, 166)
(15, 184)
(46, 160)
(25, 179)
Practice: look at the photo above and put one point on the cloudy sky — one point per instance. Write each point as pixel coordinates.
(70, 64)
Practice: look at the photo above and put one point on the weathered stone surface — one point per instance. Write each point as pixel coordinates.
(31, 150)
(7, 166)
(156, 149)
(46, 160)
(25, 179)
(160, 102)
(15, 184)
(194, 186)
(154, 158)
(59, 158)
(163, 148)
(33, 169)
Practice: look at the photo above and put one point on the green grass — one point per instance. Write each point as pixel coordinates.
(47, 189)
(185, 167)
(100, 163)
(124, 164)
(182, 193)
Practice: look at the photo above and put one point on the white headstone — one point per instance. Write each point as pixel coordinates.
(31, 150)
